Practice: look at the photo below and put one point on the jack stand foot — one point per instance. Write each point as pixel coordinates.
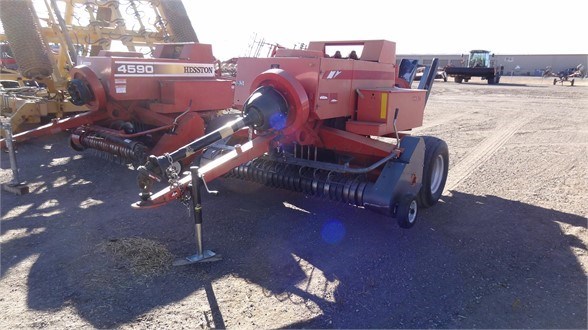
(19, 189)
(202, 255)
(206, 256)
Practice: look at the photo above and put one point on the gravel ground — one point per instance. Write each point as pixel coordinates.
(506, 247)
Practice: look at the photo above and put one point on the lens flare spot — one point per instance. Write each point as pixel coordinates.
(278, 121)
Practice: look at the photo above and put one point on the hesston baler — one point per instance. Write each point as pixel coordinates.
(314, 124)
(141, 106)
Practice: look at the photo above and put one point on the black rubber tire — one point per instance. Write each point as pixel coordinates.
(436, 154)
(178, 21)
(458, 80)
(23, 34)
(407, 212)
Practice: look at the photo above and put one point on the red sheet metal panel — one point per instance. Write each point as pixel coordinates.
(376, 109)
(204, 94)
(305, 70)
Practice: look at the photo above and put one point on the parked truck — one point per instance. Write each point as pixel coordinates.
(479, 64)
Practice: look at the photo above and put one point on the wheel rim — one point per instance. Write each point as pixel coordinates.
(412, 211)
(437, 173)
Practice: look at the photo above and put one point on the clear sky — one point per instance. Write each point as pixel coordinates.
(426, 26)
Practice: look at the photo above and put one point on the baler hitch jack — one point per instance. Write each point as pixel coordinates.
(196, 198)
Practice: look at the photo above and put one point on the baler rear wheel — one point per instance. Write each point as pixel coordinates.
(434, 171)
(407, 212)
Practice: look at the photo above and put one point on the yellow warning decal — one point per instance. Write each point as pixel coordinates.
(384, 105)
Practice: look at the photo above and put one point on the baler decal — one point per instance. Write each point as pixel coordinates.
(357, 74)
(162, 69)
(383, 105)
(333, 74)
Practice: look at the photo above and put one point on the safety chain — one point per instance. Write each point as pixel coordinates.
(173, 176)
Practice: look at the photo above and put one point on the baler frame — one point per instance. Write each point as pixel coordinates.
(294, 101)
(140, 106)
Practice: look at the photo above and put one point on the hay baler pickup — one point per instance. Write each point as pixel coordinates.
(329, 127)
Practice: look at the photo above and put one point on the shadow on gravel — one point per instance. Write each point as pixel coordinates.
(470, 262)
(484, 83)
(516, 85)
(501, 84)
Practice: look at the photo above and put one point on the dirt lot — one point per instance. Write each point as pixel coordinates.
(505, 248)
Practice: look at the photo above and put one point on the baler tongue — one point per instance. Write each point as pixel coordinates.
(266, 111)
